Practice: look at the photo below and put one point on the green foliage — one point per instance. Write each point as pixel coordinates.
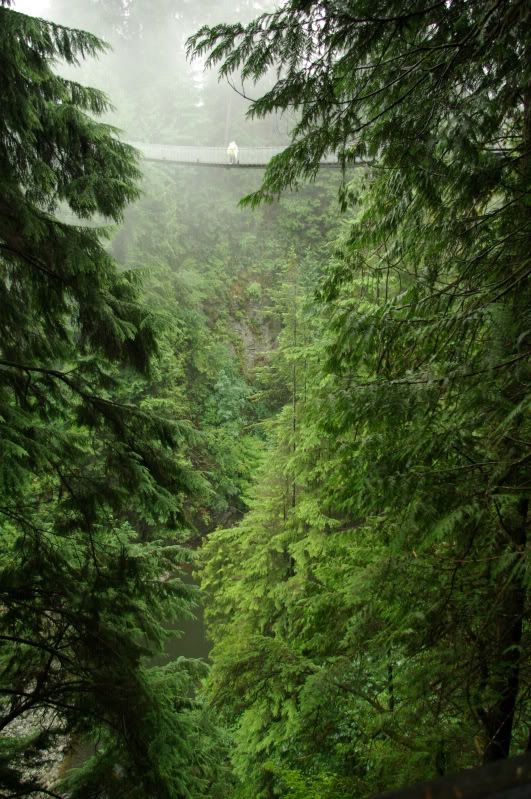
(351, 100)
(370, 616)
(175, 717)
(199, 255)
(97, 483)
(367, 600)
(133, 408)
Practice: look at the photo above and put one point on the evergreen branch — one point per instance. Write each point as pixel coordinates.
(446, 378)
(33, 262)
(76, 387)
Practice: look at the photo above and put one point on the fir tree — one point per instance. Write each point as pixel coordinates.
(420, 412)
(93, 485)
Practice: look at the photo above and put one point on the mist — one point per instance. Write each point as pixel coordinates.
(158, 96)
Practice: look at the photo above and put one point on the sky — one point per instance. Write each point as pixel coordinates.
(36, 8)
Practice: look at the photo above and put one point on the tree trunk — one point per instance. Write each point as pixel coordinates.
(498, 720)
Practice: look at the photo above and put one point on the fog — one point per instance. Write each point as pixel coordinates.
(157, 94)
(36, 8)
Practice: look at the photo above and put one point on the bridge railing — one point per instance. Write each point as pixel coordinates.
(188, 154)
(503, 779)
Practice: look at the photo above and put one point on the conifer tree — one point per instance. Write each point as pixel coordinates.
(93, 485)
(422, 405)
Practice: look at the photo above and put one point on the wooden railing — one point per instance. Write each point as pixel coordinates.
(504, 779)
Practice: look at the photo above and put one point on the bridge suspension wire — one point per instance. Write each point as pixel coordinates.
(248, 157)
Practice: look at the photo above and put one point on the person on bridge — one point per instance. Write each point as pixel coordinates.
(232, 152)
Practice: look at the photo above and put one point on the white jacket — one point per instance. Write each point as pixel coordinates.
(232, 152)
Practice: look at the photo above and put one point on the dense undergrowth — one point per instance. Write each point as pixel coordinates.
(321, 408)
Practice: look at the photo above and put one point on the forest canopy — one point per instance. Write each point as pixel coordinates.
(318, 401)
(387, 547)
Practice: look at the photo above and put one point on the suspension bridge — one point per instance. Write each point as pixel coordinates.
(248, 157)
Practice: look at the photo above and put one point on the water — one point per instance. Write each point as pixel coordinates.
(193, 642)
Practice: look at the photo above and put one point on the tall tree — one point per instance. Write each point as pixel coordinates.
(93, 482)
(428, 309)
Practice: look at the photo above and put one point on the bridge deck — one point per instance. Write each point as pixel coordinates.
(213, 156)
